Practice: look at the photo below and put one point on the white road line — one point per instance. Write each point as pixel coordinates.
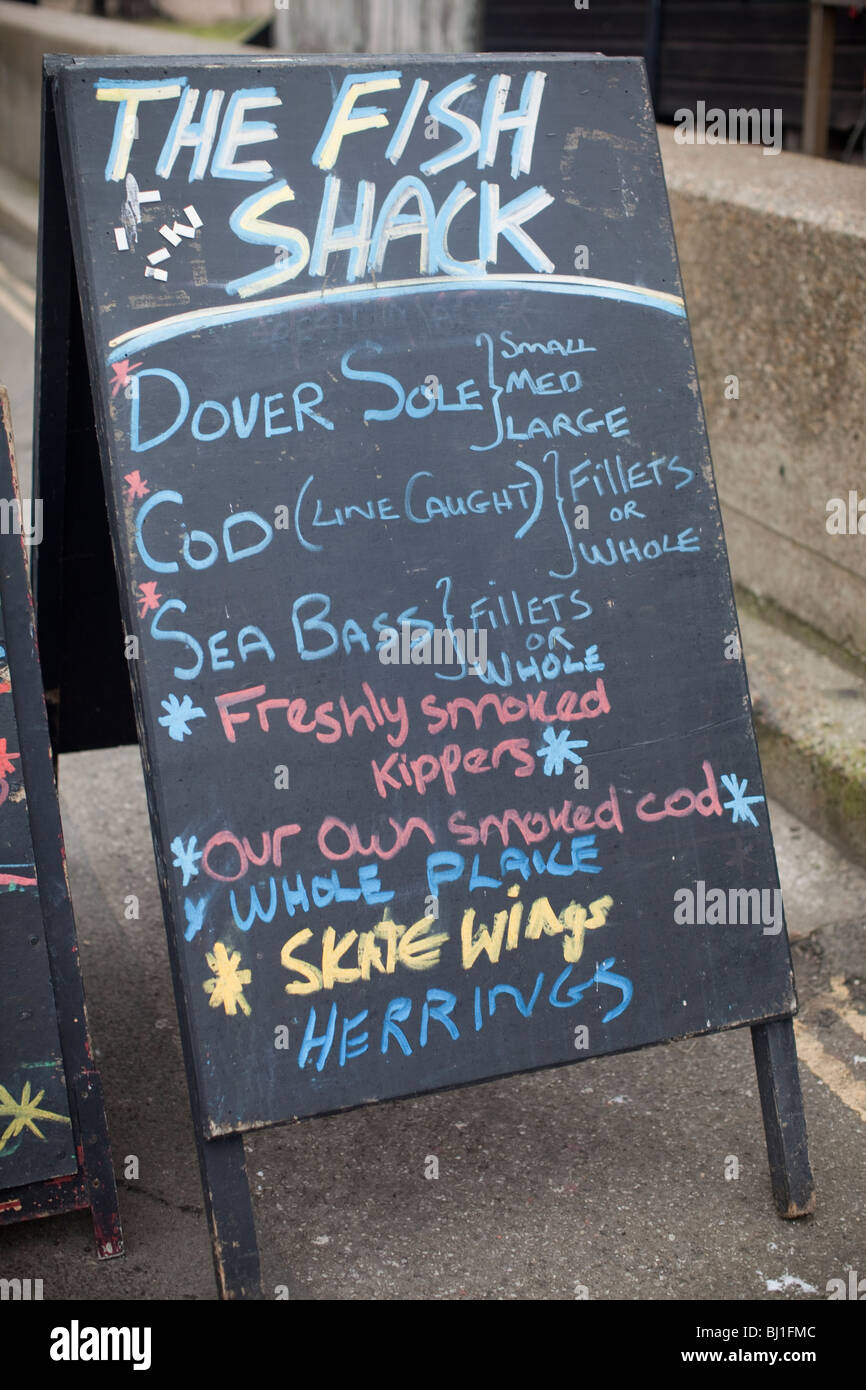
(830, 1070)
(22, 316)
(839, 1002)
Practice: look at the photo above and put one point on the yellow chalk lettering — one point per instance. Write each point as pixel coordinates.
(332, 953)
(515, 917)
(577, 923)
(417, 949)
(369, 955)
(127, 114)
(485, 940)
(343, 121)
(312, 977)
(390, 932)
(542, 918)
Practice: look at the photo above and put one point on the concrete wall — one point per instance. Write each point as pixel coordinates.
(27, 32)
(773, 255)
(380, 26)
(209, 11)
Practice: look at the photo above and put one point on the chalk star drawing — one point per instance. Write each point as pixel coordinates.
(25, 1112)
(148, 597)
(187, 857)
(557, 749)
(122, 374)
(228, 987)
(741, 805)
(136, 484)
(177, 716)
(7, 760)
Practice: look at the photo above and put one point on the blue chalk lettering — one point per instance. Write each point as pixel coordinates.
(136, 443)
(256, 912)
(605, 976)
(323, 1042)
(371, 886)
(194, 913)
(270, 414)
(211, 549)
(252, 639)
(137, 84)
(355, 374)
(466, 128)
(445, 866)
(314, 623)
(237, 520)
(397, 1011)
(236, 131)
(158, 566)
(244, 427)
(353, 237)
(295, 897)
(344, 105)
(438, 1004)
(219, 656)
(353, 1047)
(524, 1007)
(184, 131)
(196, 427)
(407, 499)
(303, 408)
(181, 673)
(478, 880)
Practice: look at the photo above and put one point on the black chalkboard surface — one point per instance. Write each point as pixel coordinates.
(54, 1153)
(429, 619)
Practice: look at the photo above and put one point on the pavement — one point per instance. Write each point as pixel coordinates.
(642, 1176)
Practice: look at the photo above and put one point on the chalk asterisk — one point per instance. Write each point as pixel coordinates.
(559, 748)
(741, 805)
(7, 759)
(227, 989)
(177, 716)
(148, 599)
(137, 487)
(24, 1113)
(741, 856)
(186, 857)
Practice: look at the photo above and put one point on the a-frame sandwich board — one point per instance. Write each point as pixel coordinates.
(55, 1155)
(681, 792)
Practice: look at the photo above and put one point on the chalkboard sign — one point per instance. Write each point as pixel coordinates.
(428, 613)
(46, 1164)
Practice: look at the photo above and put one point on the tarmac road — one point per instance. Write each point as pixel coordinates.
(642, 1176)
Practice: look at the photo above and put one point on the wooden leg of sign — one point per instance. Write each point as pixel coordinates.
(230, 1216)
(784, 1120)
(98, 1172)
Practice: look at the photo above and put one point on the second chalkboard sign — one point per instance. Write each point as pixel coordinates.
(436, 664)
(54, 1150)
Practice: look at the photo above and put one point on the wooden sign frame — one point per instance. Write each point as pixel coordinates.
(69, 471)
(90, 1183)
